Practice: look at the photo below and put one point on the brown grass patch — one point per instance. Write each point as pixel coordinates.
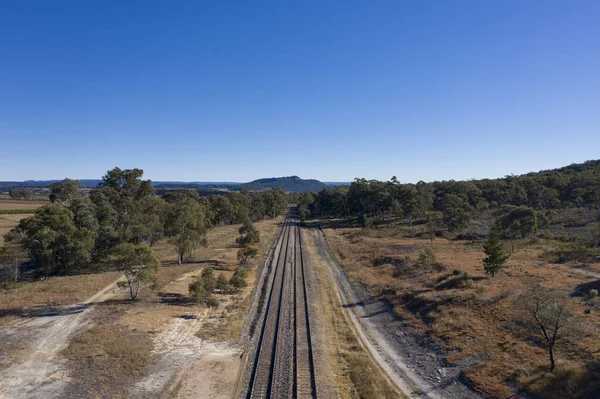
(15, 204)
(54, 291)
(350, 370)
(107, 359)
(469, 313)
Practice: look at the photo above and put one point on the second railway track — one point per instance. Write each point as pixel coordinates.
(283, 365)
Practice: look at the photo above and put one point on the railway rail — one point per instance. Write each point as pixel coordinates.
(284, 365)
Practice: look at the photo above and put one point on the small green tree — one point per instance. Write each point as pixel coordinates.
(249, 234)
(496, 256)
(139, 264)
(246, 254)
(210, 282)
(185, 226)
(238, 280)
(197, 290)
(222, 283)
(433, 224)
(456, 212)
(427, 258)
(200, 291)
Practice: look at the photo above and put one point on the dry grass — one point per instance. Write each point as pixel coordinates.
(568, 381)
(54, 291)
(469, 313)
(8, 222)
(15, 204)
(350, 370)
(107, 359)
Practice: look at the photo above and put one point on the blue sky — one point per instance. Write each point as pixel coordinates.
(238, 90)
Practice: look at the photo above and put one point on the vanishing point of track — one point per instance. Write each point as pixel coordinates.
(284, 364)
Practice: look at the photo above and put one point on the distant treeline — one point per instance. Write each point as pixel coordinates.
(75, 230)
(574, 186)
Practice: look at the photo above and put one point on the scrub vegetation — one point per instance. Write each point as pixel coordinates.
(502, 275)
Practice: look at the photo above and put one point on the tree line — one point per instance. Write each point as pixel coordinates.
(124, 213)
(521, 203)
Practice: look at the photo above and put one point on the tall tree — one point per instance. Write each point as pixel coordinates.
(64, 192)
(186, 227)
(249, 234)
(53, 240)
(455, 212)
(139, 264)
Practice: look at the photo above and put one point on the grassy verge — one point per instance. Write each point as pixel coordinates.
(350, 369)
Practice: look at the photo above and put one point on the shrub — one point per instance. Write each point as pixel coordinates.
(238, 283)
(212, 302)
(427, 258)
(222, 283)
(593, 294)
(242, 273)
(208, 276)
(201, 289)
(238, 280)
(454, 280)
(364, 221)
(197, 291)
(249, 235)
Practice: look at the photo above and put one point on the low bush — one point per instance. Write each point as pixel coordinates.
(238, 280)
(455, 280)
(427, 258)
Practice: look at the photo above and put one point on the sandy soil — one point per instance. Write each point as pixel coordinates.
(39, 373)
(189, 367)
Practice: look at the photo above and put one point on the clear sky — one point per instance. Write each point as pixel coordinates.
(237, 90)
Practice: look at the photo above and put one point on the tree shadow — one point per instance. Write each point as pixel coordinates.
(174, 299)
(583, 289)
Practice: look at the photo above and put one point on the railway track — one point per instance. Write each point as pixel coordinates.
(284, 365)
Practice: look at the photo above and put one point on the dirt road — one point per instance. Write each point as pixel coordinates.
(40, 374)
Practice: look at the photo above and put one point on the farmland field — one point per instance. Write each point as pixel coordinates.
(7, 222)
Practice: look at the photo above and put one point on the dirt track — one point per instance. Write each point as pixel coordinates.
(40, 374)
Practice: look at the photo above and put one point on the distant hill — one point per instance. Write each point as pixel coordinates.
(292, 184)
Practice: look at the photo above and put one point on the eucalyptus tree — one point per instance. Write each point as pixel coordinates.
(186, 227)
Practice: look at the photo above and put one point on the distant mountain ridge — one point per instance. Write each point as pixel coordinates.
(292, 184)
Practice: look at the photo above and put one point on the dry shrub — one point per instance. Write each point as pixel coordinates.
(450, 321)
(455, 280)
(567, 381)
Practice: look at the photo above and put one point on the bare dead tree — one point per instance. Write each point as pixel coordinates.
(544, 311)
